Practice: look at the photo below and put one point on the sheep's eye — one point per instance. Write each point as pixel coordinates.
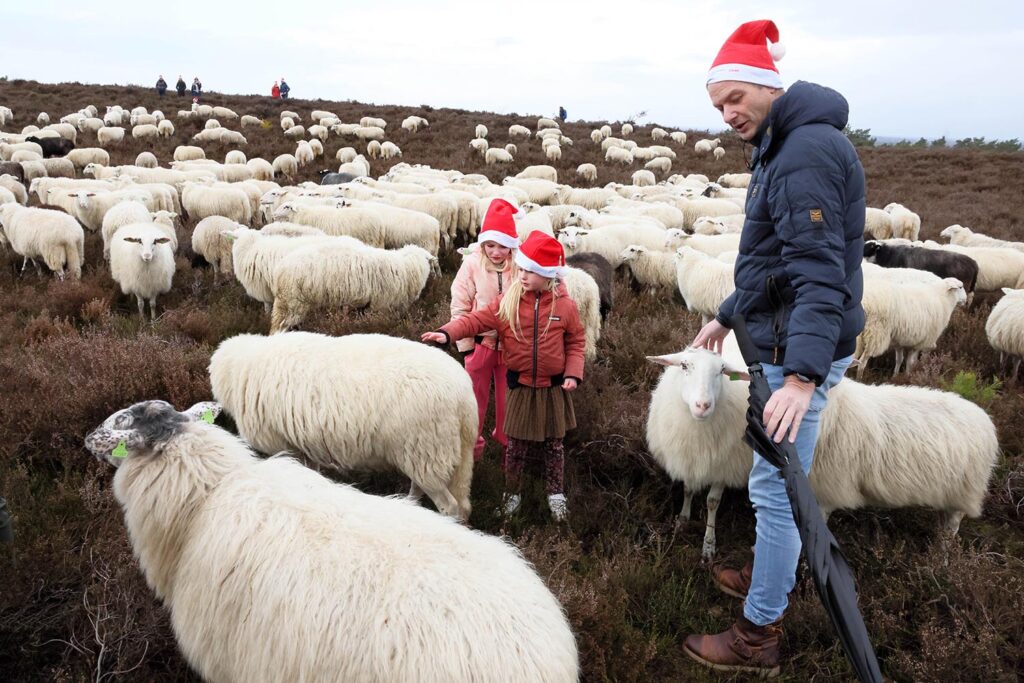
(161, 240)
(136, 240)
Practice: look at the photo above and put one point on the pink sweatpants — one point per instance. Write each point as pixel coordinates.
(483, 365)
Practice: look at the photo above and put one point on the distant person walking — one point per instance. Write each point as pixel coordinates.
(180, 86)
(161, 86)
(275, 91)
(197, 89)
(284, 89)
(562, 114)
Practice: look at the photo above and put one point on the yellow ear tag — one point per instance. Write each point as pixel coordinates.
(734, 376)
(121, 451)
(207, 416)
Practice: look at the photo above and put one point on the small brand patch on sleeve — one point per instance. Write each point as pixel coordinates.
(816, 216)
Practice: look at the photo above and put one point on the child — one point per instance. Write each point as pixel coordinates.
(485, 274)
(542, 341)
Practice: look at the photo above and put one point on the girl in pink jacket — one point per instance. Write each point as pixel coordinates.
(486, 272)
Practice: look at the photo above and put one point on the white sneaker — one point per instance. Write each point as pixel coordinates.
(558, 506)
(511, 503)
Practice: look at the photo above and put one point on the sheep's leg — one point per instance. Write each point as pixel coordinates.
(415, 492)
(152, 308)
(953, 519)
(684, 512)
(714, 498)
(142, 306)
(899, 362)
(267, 307)
(912, 360)
(24, 264)
(1016, 368)
(59, 274)
(443, 500)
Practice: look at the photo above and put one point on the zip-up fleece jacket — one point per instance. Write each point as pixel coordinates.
(798, 276)
(550, 342)
(475, 286)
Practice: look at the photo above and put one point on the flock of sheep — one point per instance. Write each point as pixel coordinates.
(469, 607)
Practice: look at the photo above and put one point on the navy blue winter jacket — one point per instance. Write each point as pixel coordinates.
(803, 238)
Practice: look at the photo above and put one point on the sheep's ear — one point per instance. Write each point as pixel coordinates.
(104, 442)
(205, 411)
(670, 360)
(1008, 290)
(230, 234)
(735, 372)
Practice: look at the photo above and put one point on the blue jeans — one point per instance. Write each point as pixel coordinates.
(777, 549)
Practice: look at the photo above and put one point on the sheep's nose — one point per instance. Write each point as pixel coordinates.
(147, 257)
(703, 406)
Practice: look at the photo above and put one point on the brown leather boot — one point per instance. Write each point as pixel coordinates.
(734, 582)
(743, 647)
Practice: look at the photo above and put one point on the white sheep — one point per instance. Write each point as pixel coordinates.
(248, 120)
(582, 288)
(109, 135)
(146, 160)
(704, 281)
(375, 224)
(33, 169)
(11, 184)
(235, 156)
(165, 128)
(965, 237)
(373, 149)
(188, 153)
(91, 206)
(295, 132)
(518, 131)
(346, 274)
(627, 129)
(318, 131)
(486, 615)
(543, 172)
(734, 180)
(720, 225)
(200, 200)
(414, 123)
(210, 242)
(264, 387)
(702, 147)
(145, 130)
(304, 154)
(389, 150)
(544, 122)
(587, 172)
(261, 168)
(877, 224)
(1005, 329)
(905, 223)
(618, 155)
(370, 133)
(886, 446)
(659, 134)
(130, 212)
(997, 267)
(479, 145)
(53, 237)
(59, 167)
(480, 131)
(678, 137)
(497, 155)
(644, 178)
(651, 269)
(20, 155)
(254, 255)
(553, 153)
(369, 121)
(142, 262)
(712, 245)
(659, 164)
(719, 153)
(610, 241)
(285, 165)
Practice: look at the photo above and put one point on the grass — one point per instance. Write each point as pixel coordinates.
(74, 605)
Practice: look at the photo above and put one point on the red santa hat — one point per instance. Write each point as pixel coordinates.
(541, 254)
(746, 55)
(499, 225)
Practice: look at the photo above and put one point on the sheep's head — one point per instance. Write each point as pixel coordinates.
(952, 231)
(956, 288)
(702, 373)
(631, 252)
(164, 217)
(238, 231)
(569, 237)
(285, 211)
(147, 242)
(675, 236)
(144, 428)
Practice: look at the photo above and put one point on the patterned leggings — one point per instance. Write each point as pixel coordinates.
(554, 463)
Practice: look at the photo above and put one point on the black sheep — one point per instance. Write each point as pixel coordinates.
(52, 147)
(942, 263)
(332, 178)
(597, 267)
(13, 168)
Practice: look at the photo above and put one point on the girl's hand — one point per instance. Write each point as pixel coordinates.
(569, 384)
(436, 337)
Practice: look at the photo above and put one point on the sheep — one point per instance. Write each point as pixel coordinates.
(373, 149)
(553, 153)
(21, 155)
(145, 130)
(304, 154)
(497, 155)
(199, 201)
(610, 241)
(90, 124)
(659, 164)
(659, 134)
(587, 172)
(997, 267)
(129, 212)
(650, 269)
(235, 156)
(285, 165)
(295, 132)
(209, 241)
(544, 122)
(365, 226)
(7, 197)
(346, 154)
(596, 136)
(268, 400)
(287, 124)
(699, 207)
(606, 131)
(224, 113)
(346, 274)
(479, 145)
(543, 172)
(51, 147)
(720, 225)
(165, 128)
(254, 255)
(83, 156)
(965, 237)
(188, 153)
(203, 110)
(367, 133)
(371, 122)
(644, 178)
(414, 123)
(318, 131)
(588, 197)
(702, 147)
(358, 167)
(261, 168)
(598, 268)
(43, 118)
(886, 446)
(51, 236)
(146, 160)
(877, 224)
(91, 206)
(142, 119)
(109, 135)
(618, 155)
(11, 184)
(480, 131)
(719, 153)
(186, 545)
(678, 137)
(248, 120)
(712, 245)
(1005, 329)
(32, 169)
(943, 264)
(389, 150)
(735, 180)
(905, 223)
(583, 289)
(518, 131)
(704, 281)
(627, 129)
(58, 168)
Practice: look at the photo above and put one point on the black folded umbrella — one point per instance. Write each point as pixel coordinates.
(831, 573)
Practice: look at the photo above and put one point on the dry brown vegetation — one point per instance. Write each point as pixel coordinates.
(74, 606)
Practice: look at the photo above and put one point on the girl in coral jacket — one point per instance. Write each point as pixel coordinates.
(541, 340)
(486, 272)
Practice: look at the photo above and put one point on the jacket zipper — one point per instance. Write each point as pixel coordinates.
(536, 324)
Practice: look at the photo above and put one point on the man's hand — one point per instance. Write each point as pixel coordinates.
(786, 408)
(711, 337)
(433, 337)
(569, 384)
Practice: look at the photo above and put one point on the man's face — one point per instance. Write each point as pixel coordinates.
(743, 105)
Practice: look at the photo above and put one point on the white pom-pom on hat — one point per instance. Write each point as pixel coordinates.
(777, 51)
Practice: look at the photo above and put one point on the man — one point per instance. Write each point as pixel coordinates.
(197, 89)
(161, 86)
(562, 115)
(180, 86)
(799, 286)
(284, 89)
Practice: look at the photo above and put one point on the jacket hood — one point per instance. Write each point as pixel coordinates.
(801, 104)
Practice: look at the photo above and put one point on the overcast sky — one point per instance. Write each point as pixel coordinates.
(908, 69)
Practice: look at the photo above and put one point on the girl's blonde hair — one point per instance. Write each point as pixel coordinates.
(508, 309)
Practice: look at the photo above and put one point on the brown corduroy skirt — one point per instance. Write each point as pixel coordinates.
(538, 414)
